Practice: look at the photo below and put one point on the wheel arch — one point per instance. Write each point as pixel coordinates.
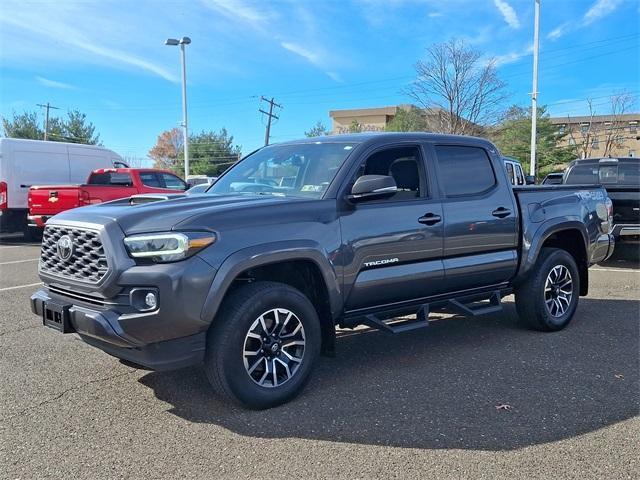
(301, 265)
(570, 236)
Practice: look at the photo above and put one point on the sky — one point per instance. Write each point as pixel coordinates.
(108, 59)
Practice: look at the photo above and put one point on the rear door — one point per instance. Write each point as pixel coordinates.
(393, 247)
(480, 217)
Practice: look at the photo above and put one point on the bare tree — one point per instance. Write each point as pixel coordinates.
(620, 104)
(458, 89)
(591, 134)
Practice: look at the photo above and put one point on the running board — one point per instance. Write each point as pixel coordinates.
(472, 309)
(475, 309)
(421, 321)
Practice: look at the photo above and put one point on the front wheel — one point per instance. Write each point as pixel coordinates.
(263, 345)
(548, 299)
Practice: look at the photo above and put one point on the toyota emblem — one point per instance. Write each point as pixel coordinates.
(65, 247)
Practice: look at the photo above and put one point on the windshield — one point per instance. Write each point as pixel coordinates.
(620, 174)
(303, 170)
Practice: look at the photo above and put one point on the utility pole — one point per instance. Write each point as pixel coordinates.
(46, 117)
(534, 93)
(270, 115)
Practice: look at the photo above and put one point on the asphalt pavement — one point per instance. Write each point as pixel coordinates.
(465, 398)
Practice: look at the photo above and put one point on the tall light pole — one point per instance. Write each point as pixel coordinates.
(534, 93)
(185, 129)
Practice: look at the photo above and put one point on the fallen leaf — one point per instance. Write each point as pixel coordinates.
(503, 406)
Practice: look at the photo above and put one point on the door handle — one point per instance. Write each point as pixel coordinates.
(430, 219)
(501, 212)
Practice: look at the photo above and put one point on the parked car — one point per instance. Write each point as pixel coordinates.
(554, 178)
(621, 178)
(374, 227)
(515, 174)
(193, 180)
(24, 163)
(103, 185)
(199, 188)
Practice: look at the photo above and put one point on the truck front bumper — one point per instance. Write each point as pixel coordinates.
(171, 335)
(626, 232)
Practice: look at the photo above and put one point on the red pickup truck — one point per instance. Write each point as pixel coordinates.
(103, 185)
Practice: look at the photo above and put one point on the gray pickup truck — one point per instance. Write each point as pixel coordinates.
(252, 277)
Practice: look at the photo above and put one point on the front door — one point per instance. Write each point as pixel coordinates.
(480, 218)
(393, 247)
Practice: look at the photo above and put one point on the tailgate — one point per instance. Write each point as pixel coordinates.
(626, 203)
(51, 199)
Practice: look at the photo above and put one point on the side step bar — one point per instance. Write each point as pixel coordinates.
(472, 309)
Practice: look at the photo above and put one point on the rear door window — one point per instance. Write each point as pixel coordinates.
(150, 179)
(464, 170)
(111, 178)
(172, 182)
(510, 173)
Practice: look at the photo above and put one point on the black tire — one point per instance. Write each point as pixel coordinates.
(32, 234)
(531, 298)
(226, 345)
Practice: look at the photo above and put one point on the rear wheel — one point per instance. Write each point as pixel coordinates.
(263, 345)
(548, 299)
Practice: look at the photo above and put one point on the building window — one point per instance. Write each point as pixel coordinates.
(572, 141)
(608, 125)
(633, 127)
(632, 153)
(595, 144)
(562, 128)
(584, 128)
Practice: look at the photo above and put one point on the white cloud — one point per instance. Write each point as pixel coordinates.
(435, 14)
(512, 57)
(508, 13)
(52, 32)
(600, 9)
(238, 10)
(335, 77)
(558, 32)
(312, 57)
(54, 84)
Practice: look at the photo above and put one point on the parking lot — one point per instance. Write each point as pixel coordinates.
(479, 398)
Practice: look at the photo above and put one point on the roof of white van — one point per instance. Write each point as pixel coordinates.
(42, 142)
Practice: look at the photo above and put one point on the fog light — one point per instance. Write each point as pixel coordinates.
(150, 300)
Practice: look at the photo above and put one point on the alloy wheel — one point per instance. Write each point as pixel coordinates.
(274, 347)
(558, 291)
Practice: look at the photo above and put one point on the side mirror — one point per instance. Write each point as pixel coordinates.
(368, 187)
(530, 180)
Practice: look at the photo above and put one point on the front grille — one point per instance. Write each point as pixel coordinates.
(87, 261)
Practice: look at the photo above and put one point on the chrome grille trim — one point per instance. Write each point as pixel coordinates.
(88, 263)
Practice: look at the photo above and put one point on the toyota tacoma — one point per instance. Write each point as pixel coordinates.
(251, 278)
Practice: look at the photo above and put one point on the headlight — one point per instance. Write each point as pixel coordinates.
(167, 247)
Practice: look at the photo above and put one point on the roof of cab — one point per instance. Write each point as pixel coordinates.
(381, 137)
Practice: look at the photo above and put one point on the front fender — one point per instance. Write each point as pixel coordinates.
(265, 254)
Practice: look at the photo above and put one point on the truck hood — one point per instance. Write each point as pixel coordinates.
(166, 212)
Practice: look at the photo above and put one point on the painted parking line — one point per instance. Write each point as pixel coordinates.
(20, 286)
(623, 270)
(20, 261)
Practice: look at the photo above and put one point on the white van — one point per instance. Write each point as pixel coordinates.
(24, 163)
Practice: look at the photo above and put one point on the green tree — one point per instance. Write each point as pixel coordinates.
(77, 129)
(23, 125)
(407, 120)
(74, 129)
(355, 127)
(513, 137)
(318, 130)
